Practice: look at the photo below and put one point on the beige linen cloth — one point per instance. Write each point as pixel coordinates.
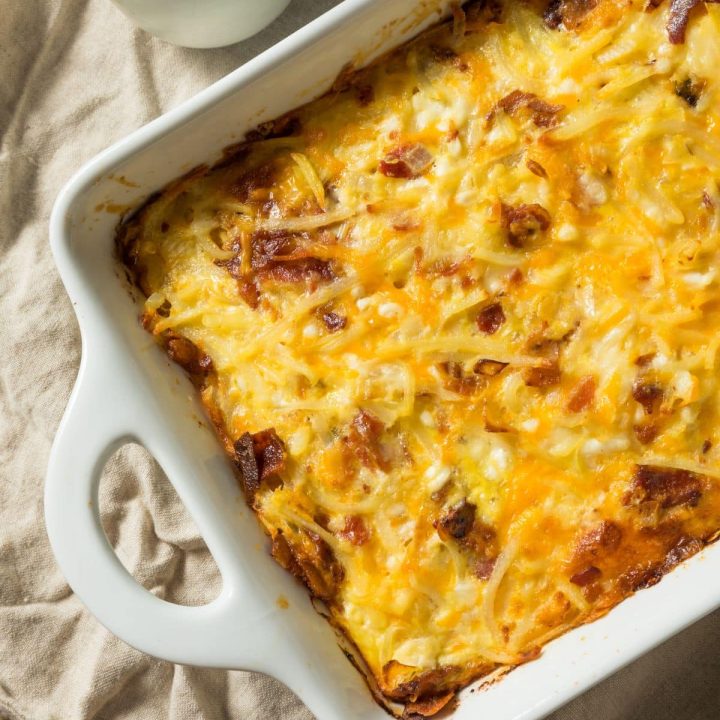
(75, 77)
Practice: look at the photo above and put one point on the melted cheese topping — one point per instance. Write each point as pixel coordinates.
(470, 511)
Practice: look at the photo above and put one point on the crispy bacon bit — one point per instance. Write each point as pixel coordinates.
(569, 13)
(582, 395)
(707, 201)
(543, 113)
(603, 539)
(186, 354)
(309, 270)
(363, 440)
(646, 432)
(458, 381)
(644, 360)
(247, 464)
(648, 394)
(281, 552)
(460, 524)
(267, 244)
(333, 321)
(323, 572)
(249, 292)
(406, 161)
(259, 457)
(491, 318)
(669, 487)
(523, 222)
(690, 90)
(706, 446)
(586, 577)
(483, 568)
(269, 452)
(458, 521)
(427, 707)
(679, 18)
(536, 168)
(544, 376)
(489, 368)
(553, 14)
(355, 531)
(310, 559)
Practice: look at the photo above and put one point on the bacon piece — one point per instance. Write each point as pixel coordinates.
(269, 452)
(457, 522)
(310, 270)
(406, 161)
(603, 539)
(355, 530)
(646, 432)
(670, 487)
(680, 17)
(249, 292)
(544, 376)
(569, 13)
(323, 572)
(461, 525)
(586, 577)
(484, 567)
(491, 318)
(543, 113)
(310, 559)
(458, 381)
(648, 394)
(186, 354)
(247, 464)
(363, 440)
(524, 222)
(259, 457)
(582, 395)
(267, 244)
(333, 321)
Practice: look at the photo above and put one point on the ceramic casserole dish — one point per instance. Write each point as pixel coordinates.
(127, 392)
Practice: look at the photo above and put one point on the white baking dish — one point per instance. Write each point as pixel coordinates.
(127, 390)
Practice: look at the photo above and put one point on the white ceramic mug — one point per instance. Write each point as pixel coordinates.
(202, 23)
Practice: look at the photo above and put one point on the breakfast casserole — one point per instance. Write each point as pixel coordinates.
(457, 325)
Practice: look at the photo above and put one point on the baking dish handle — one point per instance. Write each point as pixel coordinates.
(219, 634)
